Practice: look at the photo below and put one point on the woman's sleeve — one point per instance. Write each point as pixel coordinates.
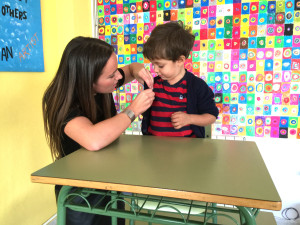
(71, 115)
(121, 81)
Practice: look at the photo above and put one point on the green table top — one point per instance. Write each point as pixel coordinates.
(223, 171)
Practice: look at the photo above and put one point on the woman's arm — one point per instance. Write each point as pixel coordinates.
(137, 71)
(96, 136)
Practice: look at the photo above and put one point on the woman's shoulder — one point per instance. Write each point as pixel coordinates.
(121, 81)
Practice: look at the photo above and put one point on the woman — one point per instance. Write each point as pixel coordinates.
(78, 106)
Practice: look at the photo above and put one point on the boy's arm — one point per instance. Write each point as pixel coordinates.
(206, 111)
(181, 119)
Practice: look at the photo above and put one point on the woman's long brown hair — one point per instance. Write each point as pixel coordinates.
(81, 65)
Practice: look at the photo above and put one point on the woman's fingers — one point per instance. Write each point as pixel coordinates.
(146, 76)
(149, 79)
(143, 101)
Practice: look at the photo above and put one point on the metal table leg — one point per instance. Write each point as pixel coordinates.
(114, 220)
(61, 209)
(248, 215)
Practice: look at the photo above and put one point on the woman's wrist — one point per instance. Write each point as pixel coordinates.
(136, 68)
(130, 114)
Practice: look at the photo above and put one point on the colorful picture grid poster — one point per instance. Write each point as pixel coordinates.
(248, 52)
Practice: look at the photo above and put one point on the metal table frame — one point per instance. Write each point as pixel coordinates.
(133, 213)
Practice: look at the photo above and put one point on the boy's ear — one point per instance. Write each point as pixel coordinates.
(181, 59)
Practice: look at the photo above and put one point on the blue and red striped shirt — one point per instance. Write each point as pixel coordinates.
(168, 99)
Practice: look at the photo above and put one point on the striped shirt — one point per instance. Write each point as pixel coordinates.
(168, 99)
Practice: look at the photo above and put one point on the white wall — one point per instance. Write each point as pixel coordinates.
(282, 158)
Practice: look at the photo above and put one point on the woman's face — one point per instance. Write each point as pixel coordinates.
(109, 77)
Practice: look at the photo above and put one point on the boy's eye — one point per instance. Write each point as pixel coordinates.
(160, 67)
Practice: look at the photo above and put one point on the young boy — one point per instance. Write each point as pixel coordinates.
(183, 103)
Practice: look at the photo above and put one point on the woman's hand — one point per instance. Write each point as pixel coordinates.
(142, 102)
(137, 71)
(144, 75)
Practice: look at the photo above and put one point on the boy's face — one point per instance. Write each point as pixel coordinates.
(169, 70)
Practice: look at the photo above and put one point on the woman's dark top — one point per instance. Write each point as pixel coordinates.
(68, 144)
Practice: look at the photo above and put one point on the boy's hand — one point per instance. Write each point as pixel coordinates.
(180, 119)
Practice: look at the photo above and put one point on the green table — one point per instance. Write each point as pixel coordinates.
(208, 170)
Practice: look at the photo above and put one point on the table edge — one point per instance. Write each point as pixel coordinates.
(227, 200)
